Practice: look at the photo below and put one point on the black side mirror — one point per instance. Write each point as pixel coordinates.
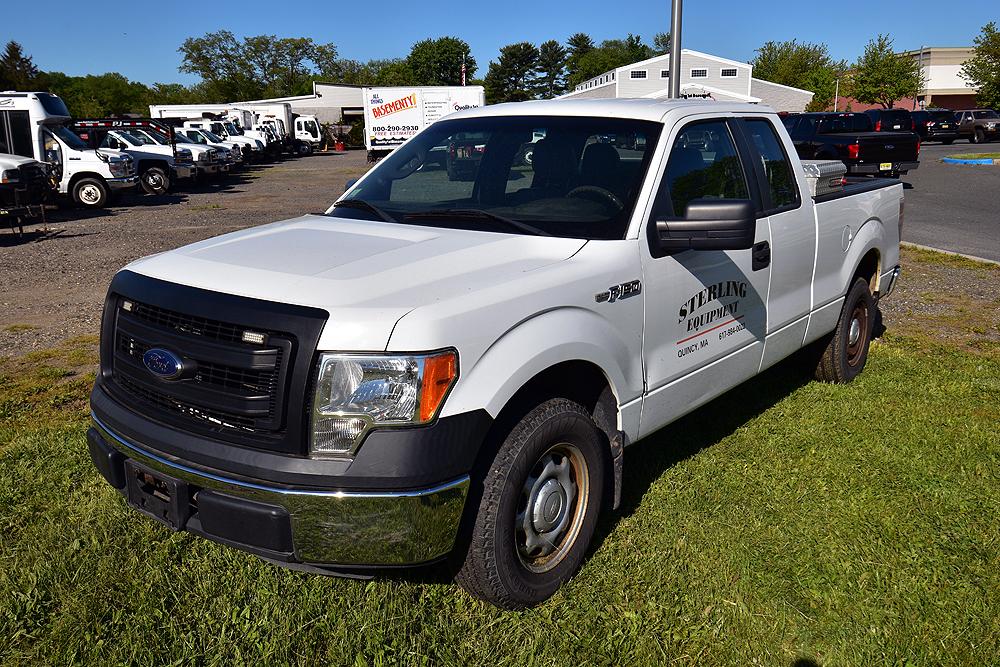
(351, 182)
(711, 224)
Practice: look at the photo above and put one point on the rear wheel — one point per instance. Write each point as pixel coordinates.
(948, 142)
(90, 193)
(541, 498)
(846, 353)
(155, 181)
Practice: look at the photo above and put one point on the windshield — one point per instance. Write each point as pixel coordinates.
(989, 113)
(67, 137)
(942, 115)
(137, 139)
(213, 137)
(233, 129)
(52, 104)
(580, 181)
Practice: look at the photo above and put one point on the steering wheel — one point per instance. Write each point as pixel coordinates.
(604, 194)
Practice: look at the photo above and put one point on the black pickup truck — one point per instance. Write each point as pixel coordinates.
(851, 138)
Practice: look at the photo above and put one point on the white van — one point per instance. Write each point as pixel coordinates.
(35, 125)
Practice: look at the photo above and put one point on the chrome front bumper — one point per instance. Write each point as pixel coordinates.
(121, 183)
(328, 526)
(182, 171)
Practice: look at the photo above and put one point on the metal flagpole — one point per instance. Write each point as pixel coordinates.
(675, 50)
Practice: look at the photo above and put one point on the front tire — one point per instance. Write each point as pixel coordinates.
(541, 498)
(846, 353)
(90, 193)
(155, 181)
(978, 136)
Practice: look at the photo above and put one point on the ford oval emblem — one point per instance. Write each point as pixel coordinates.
(163, 363)
(889, 147)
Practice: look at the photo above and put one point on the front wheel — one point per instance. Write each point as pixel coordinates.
(978, 136)
(305, 148)
(541, 498)
(91, 193)
(846, 353)
(155, 181)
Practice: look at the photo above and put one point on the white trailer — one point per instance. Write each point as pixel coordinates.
(393, 115)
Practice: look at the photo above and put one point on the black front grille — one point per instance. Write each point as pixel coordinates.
(245, 363)
(228, 384)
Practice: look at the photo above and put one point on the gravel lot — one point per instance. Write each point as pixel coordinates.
(54, 277)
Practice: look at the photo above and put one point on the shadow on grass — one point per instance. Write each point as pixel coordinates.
(648, 459)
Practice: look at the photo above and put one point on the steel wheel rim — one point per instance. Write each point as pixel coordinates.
(154, 181)
(90, 194)
(857, 334)
(551, 507)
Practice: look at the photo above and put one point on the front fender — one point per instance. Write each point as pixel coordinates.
(539, 343)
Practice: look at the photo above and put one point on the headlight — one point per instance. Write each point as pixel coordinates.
(357, 392)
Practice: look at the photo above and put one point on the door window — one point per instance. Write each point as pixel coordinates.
(703, 164)
(20, 134)
(777, 168)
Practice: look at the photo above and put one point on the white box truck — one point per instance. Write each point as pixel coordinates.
(393, 115)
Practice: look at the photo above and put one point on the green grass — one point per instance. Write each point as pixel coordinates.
(789, 520)
(19, 327)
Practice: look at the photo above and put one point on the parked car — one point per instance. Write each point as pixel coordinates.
(935, 125)
(891, 120)
(978, 125)
(851, 138)
(349, 391)
(36, 125)
(23, 181)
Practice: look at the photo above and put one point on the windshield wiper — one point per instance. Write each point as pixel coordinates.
(363, 205)
(473, 213)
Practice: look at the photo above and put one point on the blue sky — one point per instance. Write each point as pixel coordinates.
(142, 44)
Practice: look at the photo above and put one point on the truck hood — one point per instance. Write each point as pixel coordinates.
(8, 161)
(367, 275)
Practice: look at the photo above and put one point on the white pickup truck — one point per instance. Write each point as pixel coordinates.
(440, 368)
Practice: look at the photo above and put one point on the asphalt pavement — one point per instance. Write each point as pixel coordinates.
(954, 207)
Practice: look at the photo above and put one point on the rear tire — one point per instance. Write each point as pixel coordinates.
(90, 193)
(948, 142)
(540, 501)
(846, 353)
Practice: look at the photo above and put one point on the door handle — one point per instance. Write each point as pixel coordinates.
(761, 255)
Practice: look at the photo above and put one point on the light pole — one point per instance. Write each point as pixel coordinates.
(675, 50)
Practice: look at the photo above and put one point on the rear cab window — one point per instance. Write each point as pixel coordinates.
(783, 190)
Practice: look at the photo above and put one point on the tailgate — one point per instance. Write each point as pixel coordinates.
(894, 147)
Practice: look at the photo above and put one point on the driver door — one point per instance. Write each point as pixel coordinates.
(706, 310)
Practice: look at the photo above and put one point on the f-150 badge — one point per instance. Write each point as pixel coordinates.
(619, 292)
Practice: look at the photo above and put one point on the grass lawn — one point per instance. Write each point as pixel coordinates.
(788, 522)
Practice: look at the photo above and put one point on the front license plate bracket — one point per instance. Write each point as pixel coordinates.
(158, 496)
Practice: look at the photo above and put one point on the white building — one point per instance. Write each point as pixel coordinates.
(702, 75)
(329, 102)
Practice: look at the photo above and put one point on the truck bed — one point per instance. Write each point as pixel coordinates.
(856, 185)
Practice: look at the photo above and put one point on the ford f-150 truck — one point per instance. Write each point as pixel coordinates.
(440, 368)
(852, 139)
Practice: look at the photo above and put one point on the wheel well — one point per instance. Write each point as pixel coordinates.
(579, 381)
(77, 177)
(868, 268)
(144, 165)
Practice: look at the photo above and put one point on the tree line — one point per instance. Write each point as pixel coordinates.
(264, 66)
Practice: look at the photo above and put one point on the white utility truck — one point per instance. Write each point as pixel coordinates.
(206, 159)
(440, 368)
(225, 120)
(393, 115)
(159, 166)
(37, 126)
